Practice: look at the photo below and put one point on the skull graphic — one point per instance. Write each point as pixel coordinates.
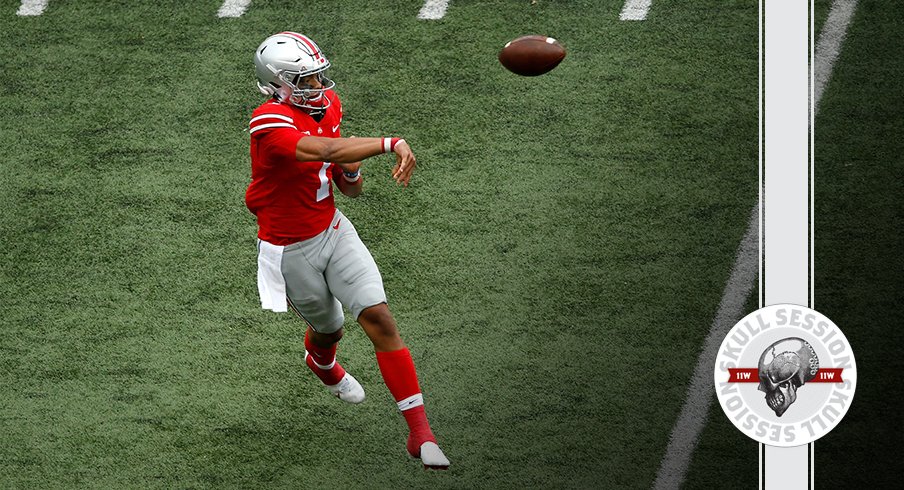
(784, 367)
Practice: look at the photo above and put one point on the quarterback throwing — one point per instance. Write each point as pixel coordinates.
(310, 258)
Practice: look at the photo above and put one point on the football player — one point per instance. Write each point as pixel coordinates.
(310, 258)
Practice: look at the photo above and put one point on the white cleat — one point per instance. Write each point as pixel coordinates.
(348, 390)
(433, 458)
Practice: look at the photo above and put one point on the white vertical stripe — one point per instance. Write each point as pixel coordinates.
(786, 179)
(692, 418)
(759, 159)
(787, 467)
(31, 8)
(812, 167)
(635, 9)
(233, 8)
(433, 9)
(759, 469)
(786, 120)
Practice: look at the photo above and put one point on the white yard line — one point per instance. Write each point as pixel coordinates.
(693, 414)
(635, 9)
(233, 8)
(691, 420)
(31, 8)
(829, 45)
(433, 10)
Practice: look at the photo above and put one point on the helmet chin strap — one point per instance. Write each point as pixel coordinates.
(318, 104)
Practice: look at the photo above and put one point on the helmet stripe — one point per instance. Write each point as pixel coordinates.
(308, 42)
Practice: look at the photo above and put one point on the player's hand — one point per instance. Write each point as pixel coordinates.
(405, 163)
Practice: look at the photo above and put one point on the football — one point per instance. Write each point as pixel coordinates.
(533, 55)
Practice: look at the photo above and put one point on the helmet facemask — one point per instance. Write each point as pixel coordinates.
(304, 96)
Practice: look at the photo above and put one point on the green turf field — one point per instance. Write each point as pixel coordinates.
(859, 223)
(554, 266)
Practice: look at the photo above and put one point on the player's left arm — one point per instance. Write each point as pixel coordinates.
(349, 179)
(347, 176)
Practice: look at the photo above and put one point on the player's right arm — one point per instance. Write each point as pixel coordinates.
(274, 127)
(350, 150)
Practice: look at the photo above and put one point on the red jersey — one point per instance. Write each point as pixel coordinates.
(292, 200)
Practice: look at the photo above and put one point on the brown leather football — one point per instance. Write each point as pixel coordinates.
(531, 55)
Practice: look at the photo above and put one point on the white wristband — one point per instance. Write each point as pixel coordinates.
(350, 178)
(389, 146)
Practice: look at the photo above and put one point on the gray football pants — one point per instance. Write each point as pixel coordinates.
(328, 271)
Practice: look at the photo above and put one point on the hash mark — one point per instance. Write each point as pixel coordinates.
(30, 8)
(433, 10)
(635, 9)
(233, 8)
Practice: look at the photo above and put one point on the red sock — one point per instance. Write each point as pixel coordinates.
(322, 360)
(400, 377)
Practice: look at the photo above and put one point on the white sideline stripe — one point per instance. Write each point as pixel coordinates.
(433, 10)
(635, 10)
(685, 433)
(31, 7)
(233, 8)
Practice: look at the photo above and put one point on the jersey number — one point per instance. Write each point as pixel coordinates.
(323, 191)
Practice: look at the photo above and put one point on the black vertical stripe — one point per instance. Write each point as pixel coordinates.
(763, 467)
(810, 466)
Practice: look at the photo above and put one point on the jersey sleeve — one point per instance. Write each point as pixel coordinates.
(273, 126)
(280, 144)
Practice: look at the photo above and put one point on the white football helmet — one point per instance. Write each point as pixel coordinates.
(282, 60)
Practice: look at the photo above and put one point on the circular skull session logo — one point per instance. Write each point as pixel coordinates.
(785, 375)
